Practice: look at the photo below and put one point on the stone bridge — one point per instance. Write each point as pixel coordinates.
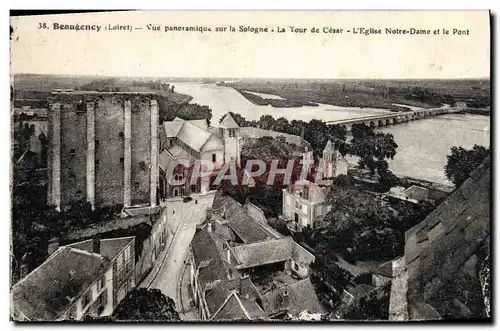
(381, 120)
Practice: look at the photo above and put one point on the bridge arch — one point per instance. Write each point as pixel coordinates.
(380, 123)
(388, 121)
(345, 127)
(372, 124)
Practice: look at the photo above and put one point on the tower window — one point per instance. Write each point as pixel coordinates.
(72, 151)
(120, 134)
(96, 162)
(232, 133)
(97, 144)
(121, 160)
(81, 107)
(214, 158)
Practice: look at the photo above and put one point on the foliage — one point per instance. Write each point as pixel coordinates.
(373, 306)
(142, 304)
(316, 132)
(461, 162)
(360, 226)
(194, 111)
(34, 224)
(371, 147)
(101, 85)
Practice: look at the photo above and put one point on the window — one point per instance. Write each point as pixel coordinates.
(121, 160)
(87, 297)
(225, 246)
(102, 302)
(136, 185)
(96, 162)
(81, 107)
(101, 282)
(285, 293)
(120, 134)
(72, 151)
(214, 157)
(97, 144)
(232, 133)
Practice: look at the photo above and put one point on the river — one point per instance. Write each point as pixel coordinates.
(423, 144)
(222, 99)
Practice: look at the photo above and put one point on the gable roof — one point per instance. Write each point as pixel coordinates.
(193, 136)
(109, 247)
(172, 128)
(174, 153)
(200, 123)
(315, 192)
(52, 288)
(238, 308)
(264, 252)
(228, 122)
(329, 148)
(207, 257)
(239, 221)
(292, 298)
(192, 133)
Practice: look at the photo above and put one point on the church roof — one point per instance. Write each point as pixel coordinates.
(228, 122)
(192, 133)
(329, 148)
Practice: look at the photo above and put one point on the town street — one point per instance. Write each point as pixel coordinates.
(169, 275)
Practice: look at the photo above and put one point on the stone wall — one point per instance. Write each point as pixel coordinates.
(438, 247)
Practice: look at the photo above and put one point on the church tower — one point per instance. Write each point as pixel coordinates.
(230, 134)
(330, 159)
(334, 163)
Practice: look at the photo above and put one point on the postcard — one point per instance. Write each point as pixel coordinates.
(250, 166)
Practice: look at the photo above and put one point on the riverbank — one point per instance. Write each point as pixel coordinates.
(298, 95)
(289, 101)
(277, 103)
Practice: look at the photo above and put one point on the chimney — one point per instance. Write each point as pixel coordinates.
(96, 245)
(209, 226)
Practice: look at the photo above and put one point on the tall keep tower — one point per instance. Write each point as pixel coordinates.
(230, 133)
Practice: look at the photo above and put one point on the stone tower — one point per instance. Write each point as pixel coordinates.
(230, 133)
(330, 159)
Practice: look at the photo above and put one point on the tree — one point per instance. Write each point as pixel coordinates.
(142, 304)
(194, 111)
(371, 147)
(461, 162)
(267, 122)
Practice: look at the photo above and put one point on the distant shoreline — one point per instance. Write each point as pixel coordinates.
(297, 103)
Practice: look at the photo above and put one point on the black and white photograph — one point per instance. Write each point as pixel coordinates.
(250, 166)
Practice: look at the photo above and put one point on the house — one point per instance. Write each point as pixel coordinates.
(185, 142)
(242, 271)
(304, 203)
(414, 194)
(87, 278)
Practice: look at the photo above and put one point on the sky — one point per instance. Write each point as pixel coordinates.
(264, 55)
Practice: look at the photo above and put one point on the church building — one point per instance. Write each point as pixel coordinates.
(191, 140)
